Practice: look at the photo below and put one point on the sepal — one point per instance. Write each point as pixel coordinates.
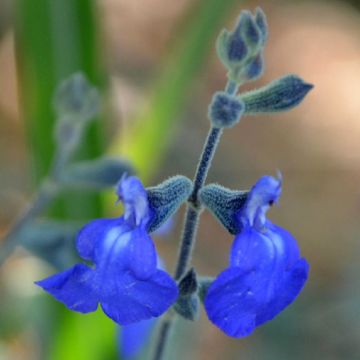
(279, 95)
(204, 284)
(254, 69)
(187, 304)
(165, 199)
(96, 174)
(225, 204)
(188, 307)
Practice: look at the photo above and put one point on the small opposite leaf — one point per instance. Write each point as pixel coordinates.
(96, 174)
(224, 204)
(166, 198)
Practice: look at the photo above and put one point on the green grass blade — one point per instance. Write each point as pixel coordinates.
(55, 38)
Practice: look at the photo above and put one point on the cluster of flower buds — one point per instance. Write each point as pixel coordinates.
(76, 102)
(241, 50)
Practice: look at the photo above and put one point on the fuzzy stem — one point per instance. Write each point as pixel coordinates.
(232, 87)
(46, 193)
(204, 163)
(163, 336)
(190, 228)
(43, 198)
(194, 208)
(191, 220)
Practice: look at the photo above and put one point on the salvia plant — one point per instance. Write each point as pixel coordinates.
(120, 269)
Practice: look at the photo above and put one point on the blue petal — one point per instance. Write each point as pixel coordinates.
(230, 303)
(134, 337)
(286, 292)
(122, 249)
(239, 299)
(126, 299)
(133, 194)
(263, 194)
(92, 235)
(251, 249)
(273, 246)
(272, 252)
(73, 287)
(289, 244)
(142, 254)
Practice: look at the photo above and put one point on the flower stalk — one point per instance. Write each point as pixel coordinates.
(41, 201)
(192, 216)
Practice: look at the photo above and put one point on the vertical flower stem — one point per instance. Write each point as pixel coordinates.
(189, 233)
(42, 200)
(194, 208)
(48, 190)
(164, 332)
(191, 221)
(46, 193)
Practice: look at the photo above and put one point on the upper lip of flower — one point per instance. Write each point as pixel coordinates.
(263, 194)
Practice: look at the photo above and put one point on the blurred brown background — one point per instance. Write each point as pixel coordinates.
(316, 147)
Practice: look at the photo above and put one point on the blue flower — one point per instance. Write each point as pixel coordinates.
(133, 339)
(265, 273)
(126, 279)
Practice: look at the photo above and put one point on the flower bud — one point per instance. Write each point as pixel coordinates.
(249, 30)
(76, 97)
(187, 304)
(255, 68)
(261, 22)
(241, 50)
(280, 95)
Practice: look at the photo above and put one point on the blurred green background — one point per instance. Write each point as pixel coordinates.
(155, 64)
